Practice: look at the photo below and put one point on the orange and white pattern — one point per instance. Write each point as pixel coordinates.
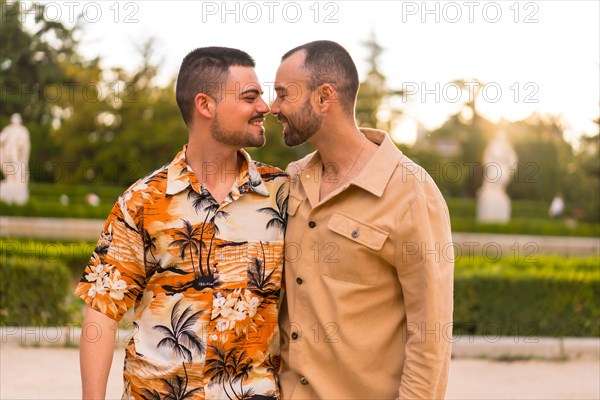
(204, 280)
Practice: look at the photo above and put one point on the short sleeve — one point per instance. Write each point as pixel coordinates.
(115, 274)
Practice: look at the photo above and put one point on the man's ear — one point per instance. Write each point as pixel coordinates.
(326, 95)
(204, 105)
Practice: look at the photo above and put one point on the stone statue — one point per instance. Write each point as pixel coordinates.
(499, 162)
(15, 147)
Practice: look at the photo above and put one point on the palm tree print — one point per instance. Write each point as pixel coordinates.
(205, 202)
(157, 268)
(258, 280)
(149, 243)
(180, 336)
(278, 217)
(176, 389)
(272, 364)
(218, 214)
(226, 367)
(188, 239)
(182, 339)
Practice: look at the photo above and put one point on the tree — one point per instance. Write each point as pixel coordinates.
(34, 79)
(374, 93)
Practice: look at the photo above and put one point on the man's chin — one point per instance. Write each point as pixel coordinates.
(256, 142)
(292, 140)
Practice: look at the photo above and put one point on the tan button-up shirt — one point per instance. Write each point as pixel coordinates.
(369, 280)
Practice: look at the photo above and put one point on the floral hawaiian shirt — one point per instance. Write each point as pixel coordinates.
(204, 279)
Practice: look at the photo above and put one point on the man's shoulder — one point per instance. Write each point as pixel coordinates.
(410, 177)
(152, 182)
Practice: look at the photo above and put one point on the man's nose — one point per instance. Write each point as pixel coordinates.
(275, 109)
(262, 107)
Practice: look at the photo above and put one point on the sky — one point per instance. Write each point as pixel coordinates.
(530, 56)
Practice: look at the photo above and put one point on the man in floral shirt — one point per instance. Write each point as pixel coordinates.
(196, 247)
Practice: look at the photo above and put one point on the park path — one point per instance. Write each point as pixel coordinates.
(53, 373)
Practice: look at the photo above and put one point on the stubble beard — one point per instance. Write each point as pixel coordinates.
(302, 125)
(234, 138)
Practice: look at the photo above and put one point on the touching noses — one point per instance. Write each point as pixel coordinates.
(262, 107)
(275, 109)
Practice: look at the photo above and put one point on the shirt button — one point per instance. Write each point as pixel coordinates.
(295, 335)
(355, 234)
(312, 224)
(214, 337)
(299, 281)
(304, 381)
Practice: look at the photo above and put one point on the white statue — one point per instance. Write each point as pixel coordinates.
(499, 163)
(15, 147)
(557, 206)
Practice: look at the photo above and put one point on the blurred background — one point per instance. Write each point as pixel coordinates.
(94, 85)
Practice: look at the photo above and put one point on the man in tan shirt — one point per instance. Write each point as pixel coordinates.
(369, 258)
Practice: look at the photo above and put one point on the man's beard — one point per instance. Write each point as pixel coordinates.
(234, 138)
(301, 125)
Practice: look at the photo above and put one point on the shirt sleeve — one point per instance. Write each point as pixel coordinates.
(115, 274)
(426, 276)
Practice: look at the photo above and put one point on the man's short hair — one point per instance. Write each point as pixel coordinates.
(205, 70)
(329, 62)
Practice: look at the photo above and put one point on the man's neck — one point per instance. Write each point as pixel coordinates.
(344, 152)
(215, 166)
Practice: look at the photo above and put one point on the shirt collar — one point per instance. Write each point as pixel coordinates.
(180, 176)
(376, 175)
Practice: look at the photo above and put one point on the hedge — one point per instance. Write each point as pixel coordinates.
(53, 208)
(33, 292)
(554, 296)
(75, 255)
(529, 227)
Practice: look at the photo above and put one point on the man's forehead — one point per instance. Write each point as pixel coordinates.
(243, 77)
(291, 71)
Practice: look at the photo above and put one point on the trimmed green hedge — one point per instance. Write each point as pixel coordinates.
(75, 255)
(528, 227)
(44, 201)
(553, 296)
(528, 217)
(33, 292)
(467, 208)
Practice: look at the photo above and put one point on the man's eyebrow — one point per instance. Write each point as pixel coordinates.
(253, 90)
(279, 88)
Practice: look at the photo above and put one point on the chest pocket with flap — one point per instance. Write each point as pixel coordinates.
(356, 259)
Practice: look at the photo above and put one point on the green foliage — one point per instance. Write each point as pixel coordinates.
(32, 60)
(550, 296)
(40, 208)
(527, 226)
(33, 292)
(547, 164)
(129, 130)
(96, 126)
(45, 201)
(374, 92)
(74, 255)
(543, 156)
